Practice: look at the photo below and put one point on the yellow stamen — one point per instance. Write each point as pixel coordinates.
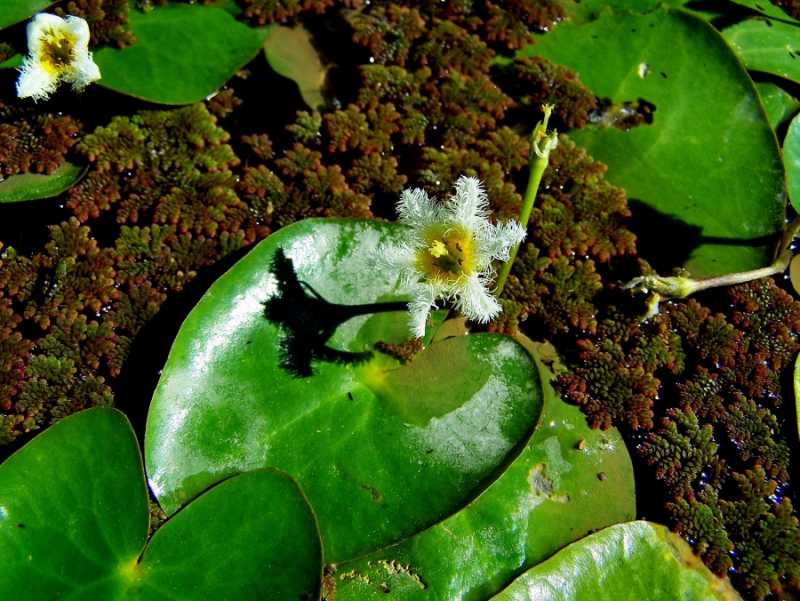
(58, 48)
(438, 249)
(448, 254)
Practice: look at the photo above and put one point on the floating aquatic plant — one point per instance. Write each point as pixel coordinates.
(421, 95)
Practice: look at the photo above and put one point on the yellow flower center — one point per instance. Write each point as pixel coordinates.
(58, 50)
(448, 254)
(438, 249)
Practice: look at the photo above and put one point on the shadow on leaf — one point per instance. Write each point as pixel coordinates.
(667, 241)
(308, 321)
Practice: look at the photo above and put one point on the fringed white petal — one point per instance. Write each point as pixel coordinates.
(417, 209)
(495, 241)
(475, 301)
(469, 206)
(400, 259)
(35, 82)
(79, 29)
(419, 308)
(38, 28)
(84, 72)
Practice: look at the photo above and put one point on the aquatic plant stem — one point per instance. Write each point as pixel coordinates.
(541, 145)
(682, 286)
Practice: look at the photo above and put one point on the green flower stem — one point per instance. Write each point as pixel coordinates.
(541, 145)
(681, 286)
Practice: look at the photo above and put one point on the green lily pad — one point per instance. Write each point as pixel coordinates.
(182, 55)
(35, 186)
(569, 481)
(791, 158)
(766, 7)
(581, 11)
(767, 45)
(14, 11)
(637, 561)
(381, 449)
(708, 165)
(74, 520)
(794, 278)
(290, 53)
(797, 382)
(779, 104)
(12, 63)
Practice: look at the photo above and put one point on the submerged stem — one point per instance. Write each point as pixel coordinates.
(541, 145)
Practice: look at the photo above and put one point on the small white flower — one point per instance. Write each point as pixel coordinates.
(449, 251)
(58, 51)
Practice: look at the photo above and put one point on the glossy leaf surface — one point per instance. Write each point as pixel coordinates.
(767, 45)
(569, 480)
(794, 278)
(74, 521)
(14, 11)
(637, 561)
(35, 186)
(73, 508)
(381, 450)
(791, 157)
(766, 7)
(707, 169)
(779, 104)
(182, 54)
(290, 53)
(580, 11)
(12, 63)
(251, 537)
(797, 377)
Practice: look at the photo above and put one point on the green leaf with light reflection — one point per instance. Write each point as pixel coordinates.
(713, 187)
(568, 481)
(74, 519)
(182, 53)
(286, 362)
(637, 561)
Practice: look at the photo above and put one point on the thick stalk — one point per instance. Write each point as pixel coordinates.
(541, 145)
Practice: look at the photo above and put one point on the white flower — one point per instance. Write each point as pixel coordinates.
(449, 251)
(58, 51)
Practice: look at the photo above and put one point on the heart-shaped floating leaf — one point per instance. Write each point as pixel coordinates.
(74, 520)
(767, 45)
(381, 449)
(569, 480)
(791, 158)
(637, 561)
(711, 179)
(779, 104)
(14, 11)
(182, 54)
(290, 53)
(35, 186)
